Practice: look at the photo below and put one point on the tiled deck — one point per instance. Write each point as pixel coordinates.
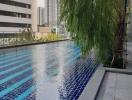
(116, 87)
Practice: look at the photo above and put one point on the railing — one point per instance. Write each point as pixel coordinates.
(16, 38)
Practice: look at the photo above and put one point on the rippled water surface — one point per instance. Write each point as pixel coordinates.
(52, 71)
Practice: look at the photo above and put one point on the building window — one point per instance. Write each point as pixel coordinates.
(14, 3)
(15, 14)
(21, 25)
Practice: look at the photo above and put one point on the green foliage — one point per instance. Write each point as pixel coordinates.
(93, 24)
(52, 37)
(26, 35)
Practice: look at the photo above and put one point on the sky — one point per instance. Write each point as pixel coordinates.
(40, 3)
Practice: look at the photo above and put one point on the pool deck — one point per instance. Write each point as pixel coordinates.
(117, 85)
(110, 84)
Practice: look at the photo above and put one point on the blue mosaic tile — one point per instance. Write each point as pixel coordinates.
(9, 58)
(7, 66)
(14, 80)
(32, 96)
(22, 72)
(74, 86)
(19, 90)
(14, 71)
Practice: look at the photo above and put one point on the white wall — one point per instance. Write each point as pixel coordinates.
(10, 29)
(23, 1)
(10, 19)
(34, 16)
(11, 8)
(32, 11)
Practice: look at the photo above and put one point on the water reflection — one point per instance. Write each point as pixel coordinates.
(49, 63)
(60, 73)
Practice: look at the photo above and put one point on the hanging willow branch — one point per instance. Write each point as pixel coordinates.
(92, 24)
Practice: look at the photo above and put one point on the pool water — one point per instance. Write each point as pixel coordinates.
(52, 71)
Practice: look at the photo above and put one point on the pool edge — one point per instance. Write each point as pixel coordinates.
(92, 88)
(30, 44)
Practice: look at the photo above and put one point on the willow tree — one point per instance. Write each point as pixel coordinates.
(94, 24)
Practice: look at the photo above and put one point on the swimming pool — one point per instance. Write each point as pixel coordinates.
(52, 71)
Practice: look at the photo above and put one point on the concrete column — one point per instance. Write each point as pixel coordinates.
(34, 15)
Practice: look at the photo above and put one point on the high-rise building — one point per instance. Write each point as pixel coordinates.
(41, 16)
(15, 15)
(51, 12)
